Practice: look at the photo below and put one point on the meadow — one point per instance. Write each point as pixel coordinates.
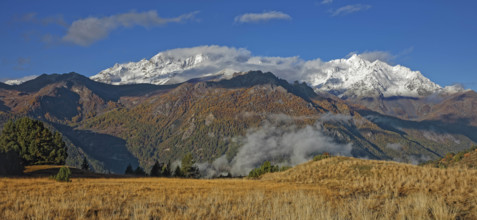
(334, 188)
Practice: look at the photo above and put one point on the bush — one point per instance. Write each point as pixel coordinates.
(64, 175)
(266, 167)
(321, 156)
(458, 157)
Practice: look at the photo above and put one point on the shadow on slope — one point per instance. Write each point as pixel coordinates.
(110, 150)
(3, 107)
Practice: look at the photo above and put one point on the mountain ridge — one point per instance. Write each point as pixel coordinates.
(351, 77)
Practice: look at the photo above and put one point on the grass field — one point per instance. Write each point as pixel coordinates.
(335, 188)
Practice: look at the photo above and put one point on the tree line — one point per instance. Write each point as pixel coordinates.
(187, 169)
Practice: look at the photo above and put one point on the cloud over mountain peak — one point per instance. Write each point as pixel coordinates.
(359, 75)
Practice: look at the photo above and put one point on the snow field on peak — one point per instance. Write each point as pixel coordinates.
(354, 76)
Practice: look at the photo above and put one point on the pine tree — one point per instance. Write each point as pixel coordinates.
(156, 169)
(64, 174)
(166, 169)
(8, 139)
(129, 170)
(178, 172)
(139, 171)
(33, 141)
(188, 168)
(60, 151)
(85, 164)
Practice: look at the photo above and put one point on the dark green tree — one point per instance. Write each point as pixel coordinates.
(266, 167)
(156, 169)
(139, 171)
(129, 170)
(85, 164)
(8, 138)
(59, 153)
(166, 169)
(33, 141)
(178, 172)
(64, 174)
(188, 168)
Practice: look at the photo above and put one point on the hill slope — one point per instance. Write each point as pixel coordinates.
(462, 159)
(353, 178)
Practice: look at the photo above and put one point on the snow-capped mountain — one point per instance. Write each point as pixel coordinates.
(353, 76)
(356, 76)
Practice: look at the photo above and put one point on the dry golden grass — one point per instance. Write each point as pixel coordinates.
(336, 188)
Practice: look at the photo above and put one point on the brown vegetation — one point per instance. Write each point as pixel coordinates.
(333, 188)
(464, 159)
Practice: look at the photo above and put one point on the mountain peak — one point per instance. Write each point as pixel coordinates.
(351, 77)
(358, 77)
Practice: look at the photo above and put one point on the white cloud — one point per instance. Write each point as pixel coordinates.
(348, 9)
(372, 56)
(326, 2)
(262, 17)
(289, 144)
(86, 31)
(20, 80)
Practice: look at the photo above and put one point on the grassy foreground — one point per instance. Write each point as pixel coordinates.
(335, 188)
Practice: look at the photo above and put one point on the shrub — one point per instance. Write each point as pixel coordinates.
(321, 156)
(266, 167)
(64, 175)
(459, 156)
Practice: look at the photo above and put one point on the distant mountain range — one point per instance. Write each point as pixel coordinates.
(345, 78)
(234, 122)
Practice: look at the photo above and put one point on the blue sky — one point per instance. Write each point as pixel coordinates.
(436, 37)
